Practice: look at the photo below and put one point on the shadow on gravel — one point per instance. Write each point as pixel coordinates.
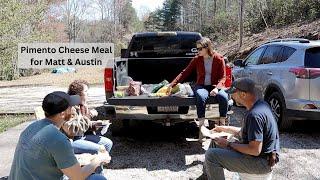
(156, 147)
(303, 135)
(307, 127)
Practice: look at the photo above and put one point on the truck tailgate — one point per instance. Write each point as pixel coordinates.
(144, 100)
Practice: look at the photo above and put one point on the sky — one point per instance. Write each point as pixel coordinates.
(144, 6)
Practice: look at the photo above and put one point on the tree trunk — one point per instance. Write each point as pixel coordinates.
(206, 11)
(225, 6)
(264, 19)
(200, 15)
(241, 2)
(214, 10)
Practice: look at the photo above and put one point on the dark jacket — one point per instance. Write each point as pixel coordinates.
(218, 72)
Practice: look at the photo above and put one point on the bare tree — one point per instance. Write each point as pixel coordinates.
(225, 5)
(74, 12)
(214, 10)
(264, 19)
(104, 7)
(241, 4)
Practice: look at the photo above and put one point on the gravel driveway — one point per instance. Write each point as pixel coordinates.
(23, 99)
(151, 151)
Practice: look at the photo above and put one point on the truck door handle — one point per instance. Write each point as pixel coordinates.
(269, 73)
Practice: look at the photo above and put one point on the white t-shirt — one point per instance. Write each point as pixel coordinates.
(208, 68)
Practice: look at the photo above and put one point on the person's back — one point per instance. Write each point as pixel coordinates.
(41, 152)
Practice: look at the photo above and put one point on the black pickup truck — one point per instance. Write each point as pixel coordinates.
(150, 58)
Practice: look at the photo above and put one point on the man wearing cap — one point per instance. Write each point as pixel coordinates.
(259, 146)
(43, 152)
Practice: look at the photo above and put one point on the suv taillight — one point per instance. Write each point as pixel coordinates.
(108, 79)
(314, 73)
(305, 73)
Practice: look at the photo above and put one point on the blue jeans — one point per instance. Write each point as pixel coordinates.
(90, 144)
(202, 93)
(95, 176)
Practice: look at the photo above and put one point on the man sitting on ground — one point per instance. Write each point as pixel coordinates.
(43, 152)
(259, 148)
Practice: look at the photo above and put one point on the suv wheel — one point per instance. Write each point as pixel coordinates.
(278, 106)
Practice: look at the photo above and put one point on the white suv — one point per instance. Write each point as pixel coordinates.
(287, 74)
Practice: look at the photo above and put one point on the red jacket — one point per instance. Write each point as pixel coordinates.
(218, 71)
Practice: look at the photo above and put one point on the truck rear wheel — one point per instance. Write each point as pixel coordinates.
(118, 126)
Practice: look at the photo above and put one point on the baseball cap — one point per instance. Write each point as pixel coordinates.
(58, 101)
(242, 84)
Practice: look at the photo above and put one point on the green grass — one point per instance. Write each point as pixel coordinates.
(8, 121)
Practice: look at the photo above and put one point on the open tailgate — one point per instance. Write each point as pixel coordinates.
(144, 100)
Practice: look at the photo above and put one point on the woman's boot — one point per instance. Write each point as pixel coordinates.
(201, 123)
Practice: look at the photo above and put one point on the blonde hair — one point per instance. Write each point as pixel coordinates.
(205, 42)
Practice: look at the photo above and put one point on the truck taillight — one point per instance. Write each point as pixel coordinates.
(305, 73)
(108, 79)
(228, 76)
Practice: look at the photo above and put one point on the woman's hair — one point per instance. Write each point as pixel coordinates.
(76, 87)
(206, 43)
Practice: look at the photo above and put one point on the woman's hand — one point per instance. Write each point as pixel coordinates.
(218, 129)
(96, 125)
(214, 92)
(93, 113)
(84, 110)
(222, 142)
(169, 89)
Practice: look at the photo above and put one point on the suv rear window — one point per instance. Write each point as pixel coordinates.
(286, 53)
(270, 55)
(163, 46)
(312, 58)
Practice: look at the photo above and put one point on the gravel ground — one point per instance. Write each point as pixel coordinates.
(151, 151)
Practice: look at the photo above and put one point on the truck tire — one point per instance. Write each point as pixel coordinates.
(278, 106)
(118, 126)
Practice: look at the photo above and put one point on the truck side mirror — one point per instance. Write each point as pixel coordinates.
(238, 62)
(124, 53)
